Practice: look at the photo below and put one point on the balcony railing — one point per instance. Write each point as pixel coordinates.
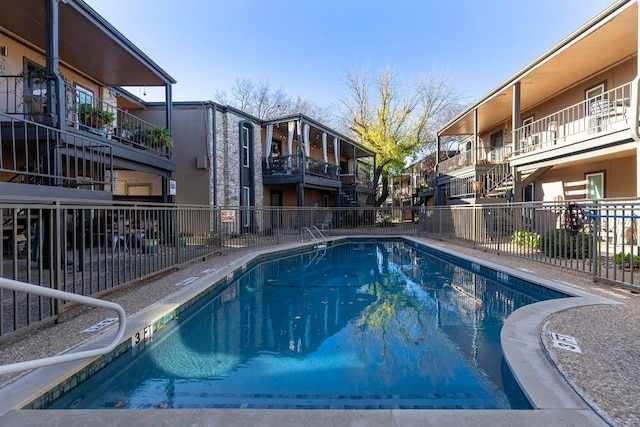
(25, 97)
(485, 155)
(294, 165)
(94, 115)
(605, 113)
(41, 155)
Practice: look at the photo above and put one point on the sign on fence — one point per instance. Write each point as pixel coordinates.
(228, 215)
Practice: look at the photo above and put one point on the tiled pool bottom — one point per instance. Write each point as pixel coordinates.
(339, 404)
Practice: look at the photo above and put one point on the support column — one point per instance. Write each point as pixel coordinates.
(515, 117)
(55, 91)
(474, 157)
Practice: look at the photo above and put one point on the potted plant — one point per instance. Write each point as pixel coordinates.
(94, 117)
(157, 137)
(150, 245)
(183, 238)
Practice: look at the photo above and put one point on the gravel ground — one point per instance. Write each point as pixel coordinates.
(606, 372)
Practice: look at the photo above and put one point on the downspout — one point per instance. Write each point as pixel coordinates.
(210, 117)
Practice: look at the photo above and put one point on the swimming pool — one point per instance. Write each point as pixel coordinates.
(384, 324)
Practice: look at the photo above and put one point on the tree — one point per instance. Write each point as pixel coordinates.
(259, 100)
(397, 122)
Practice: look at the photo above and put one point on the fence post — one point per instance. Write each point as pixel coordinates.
(594, 225)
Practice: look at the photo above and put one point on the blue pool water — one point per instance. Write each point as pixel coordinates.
(381, 324)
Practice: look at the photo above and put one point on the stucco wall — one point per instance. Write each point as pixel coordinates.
(569, 183)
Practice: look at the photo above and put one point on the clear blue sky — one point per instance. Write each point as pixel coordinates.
(305, 47)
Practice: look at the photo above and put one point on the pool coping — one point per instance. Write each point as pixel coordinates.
(551, 396)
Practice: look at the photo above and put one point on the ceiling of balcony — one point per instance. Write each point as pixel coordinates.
(606, 40)
(87, 42)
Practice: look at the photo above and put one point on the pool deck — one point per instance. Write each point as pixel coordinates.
(598, 386)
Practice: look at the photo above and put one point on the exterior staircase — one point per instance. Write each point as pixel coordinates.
(499, 179)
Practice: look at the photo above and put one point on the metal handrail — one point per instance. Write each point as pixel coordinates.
(15, 285)
(313, 236)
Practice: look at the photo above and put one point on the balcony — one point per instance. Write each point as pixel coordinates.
(285, 169)
(596, 117)
(83, 112)
(45, 157)
(480, 157)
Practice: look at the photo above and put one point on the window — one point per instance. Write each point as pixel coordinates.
(594, 91)
(595, 185)
(246, 138)
(83, 95)
(35, 83)
(246, 194)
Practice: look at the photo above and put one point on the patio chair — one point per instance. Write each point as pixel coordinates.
(326, 222)
(120, 235)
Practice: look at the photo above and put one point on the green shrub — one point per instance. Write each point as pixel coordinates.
(211, 238)
(560, 244)
(526, 238)
(621, 259)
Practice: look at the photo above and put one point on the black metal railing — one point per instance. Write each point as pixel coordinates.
(25, 97)
(37, 154)
(94, 247)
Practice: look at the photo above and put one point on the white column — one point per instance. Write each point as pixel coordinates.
(291, 130)
(268, 143)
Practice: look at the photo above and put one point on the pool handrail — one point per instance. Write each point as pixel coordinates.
(319, 244)
(15, 285)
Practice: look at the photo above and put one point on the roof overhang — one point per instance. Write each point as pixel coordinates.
(609, 38)
(87, 42)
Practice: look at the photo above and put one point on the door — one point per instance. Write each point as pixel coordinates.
(276, 212)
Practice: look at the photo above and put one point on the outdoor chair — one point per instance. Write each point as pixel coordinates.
(120, 235)
(326, 222)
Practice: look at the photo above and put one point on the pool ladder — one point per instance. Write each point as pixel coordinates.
(321, 241)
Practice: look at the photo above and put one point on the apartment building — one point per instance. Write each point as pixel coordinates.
(564, 127)
(68, 130)
(229, 158)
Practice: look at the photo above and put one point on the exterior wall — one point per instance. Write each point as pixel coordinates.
(568, 183)
(190, 136)
(13, 65)
(132, 183)
(227, 160)
(315, 198)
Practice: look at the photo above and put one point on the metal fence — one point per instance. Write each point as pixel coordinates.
(90, 249)
(595, 237)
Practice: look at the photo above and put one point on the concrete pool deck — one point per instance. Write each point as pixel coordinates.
(604, 373)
